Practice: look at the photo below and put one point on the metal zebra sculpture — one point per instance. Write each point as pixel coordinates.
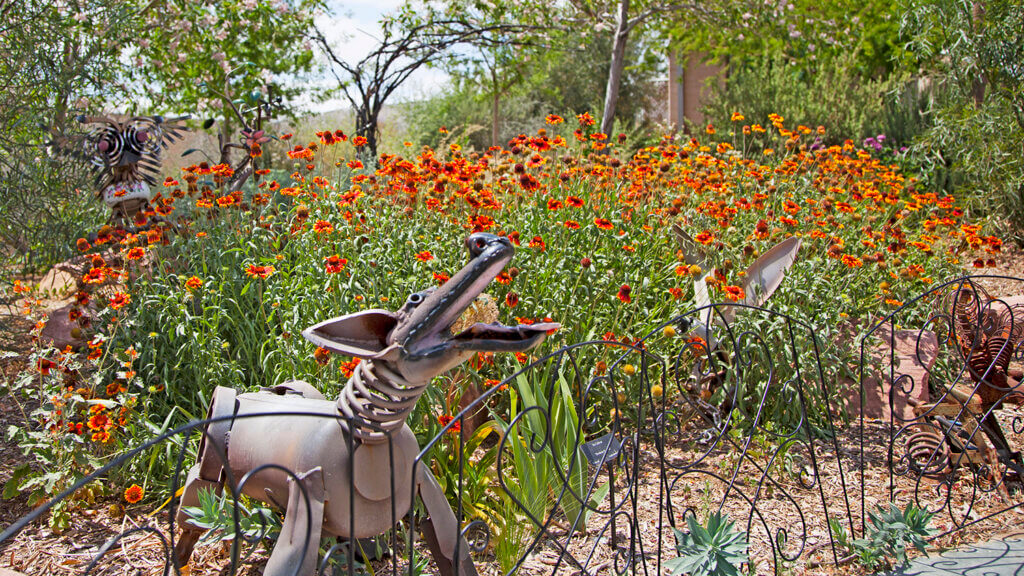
(124, 157)
(355, 459)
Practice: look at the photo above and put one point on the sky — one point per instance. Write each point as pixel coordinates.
(351, 27)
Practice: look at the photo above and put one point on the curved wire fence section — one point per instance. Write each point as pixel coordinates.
(942, 422)
(589, 459)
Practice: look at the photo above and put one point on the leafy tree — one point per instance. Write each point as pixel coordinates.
(56, 61)
(192, 52)
(971, 52)
(411, 38)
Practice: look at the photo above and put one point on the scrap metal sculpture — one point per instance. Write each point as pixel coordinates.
(760, 280)
(125, 158)
(986, 333)
(355, 457)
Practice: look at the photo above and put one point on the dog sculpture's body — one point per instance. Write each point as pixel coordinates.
(355, 457)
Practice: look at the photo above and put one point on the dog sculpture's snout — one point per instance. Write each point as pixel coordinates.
(479, 242)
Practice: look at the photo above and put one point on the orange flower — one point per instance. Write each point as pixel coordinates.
(446, 419)
(603, 223)
(359, 141)
(120, 300)
(82, 244)
(705, 237)
(193, 283)
(99, 421)
(572, 225)
(585, 119)
(45, 366)
(322, 355)
(347, 368)
(323, 227)
(424, 256)
(133, 494)
(553, 119)
(334, 264)
(554, 204)
(136, 253)
(254, 271)
(734, 293)
(225, 201)
(624, 293)
(441, 277)
(574, 201)
(511, 299)
(504, 278)
(852, 261)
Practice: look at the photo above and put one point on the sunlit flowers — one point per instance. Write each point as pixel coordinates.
(136, 253)
(119, 300)
(334, 264)
(624, 293)
(262, 272)
(133, 494)
(603, 223)
(193, 284)
(323, 227)
(424, 256)
(733, 293)
(553, 119)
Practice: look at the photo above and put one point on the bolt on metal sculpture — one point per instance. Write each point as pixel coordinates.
(356, 466)
(760, 280)
(125, 158)
(960, 428)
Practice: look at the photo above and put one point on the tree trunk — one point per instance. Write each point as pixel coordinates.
(978, 19)
(618, 63)
(495, 107)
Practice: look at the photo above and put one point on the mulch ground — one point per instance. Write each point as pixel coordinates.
(785, 502)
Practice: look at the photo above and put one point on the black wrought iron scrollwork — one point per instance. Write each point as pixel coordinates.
(738, 419)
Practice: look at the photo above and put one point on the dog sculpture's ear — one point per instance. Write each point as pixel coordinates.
(765, 275)
(363, 334)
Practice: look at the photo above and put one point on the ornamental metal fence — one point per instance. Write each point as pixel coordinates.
(591, 459)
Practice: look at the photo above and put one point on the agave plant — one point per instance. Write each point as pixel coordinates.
(716, 550)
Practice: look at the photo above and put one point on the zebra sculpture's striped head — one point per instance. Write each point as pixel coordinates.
(125, 156)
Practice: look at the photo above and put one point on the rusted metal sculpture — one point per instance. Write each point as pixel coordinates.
(986, 334)
(355, 456)
(760, 280)
(125, 157)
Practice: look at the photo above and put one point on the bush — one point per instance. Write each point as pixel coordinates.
(836, 95)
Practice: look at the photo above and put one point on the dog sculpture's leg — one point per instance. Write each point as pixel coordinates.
(190, 497)
(441, 529)
(299, 542)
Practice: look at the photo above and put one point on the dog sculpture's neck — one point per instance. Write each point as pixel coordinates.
(376, 401)
(403, 351)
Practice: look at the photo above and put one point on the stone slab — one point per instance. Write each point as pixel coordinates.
(999, 557)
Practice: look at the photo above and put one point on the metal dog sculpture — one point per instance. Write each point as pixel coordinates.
(356, 465)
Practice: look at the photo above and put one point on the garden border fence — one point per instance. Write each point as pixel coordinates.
(601, 449)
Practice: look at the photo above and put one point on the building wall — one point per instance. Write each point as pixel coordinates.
(689, 83)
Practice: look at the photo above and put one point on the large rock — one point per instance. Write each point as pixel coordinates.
(58, 283)
(60, 331)
(905, 358)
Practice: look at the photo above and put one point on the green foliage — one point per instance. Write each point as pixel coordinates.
(717, 549)
(890, 532)
(970, 52)
(543, 437)
(55, 62)
(191, 49)
(216, 514)
(847, 104)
